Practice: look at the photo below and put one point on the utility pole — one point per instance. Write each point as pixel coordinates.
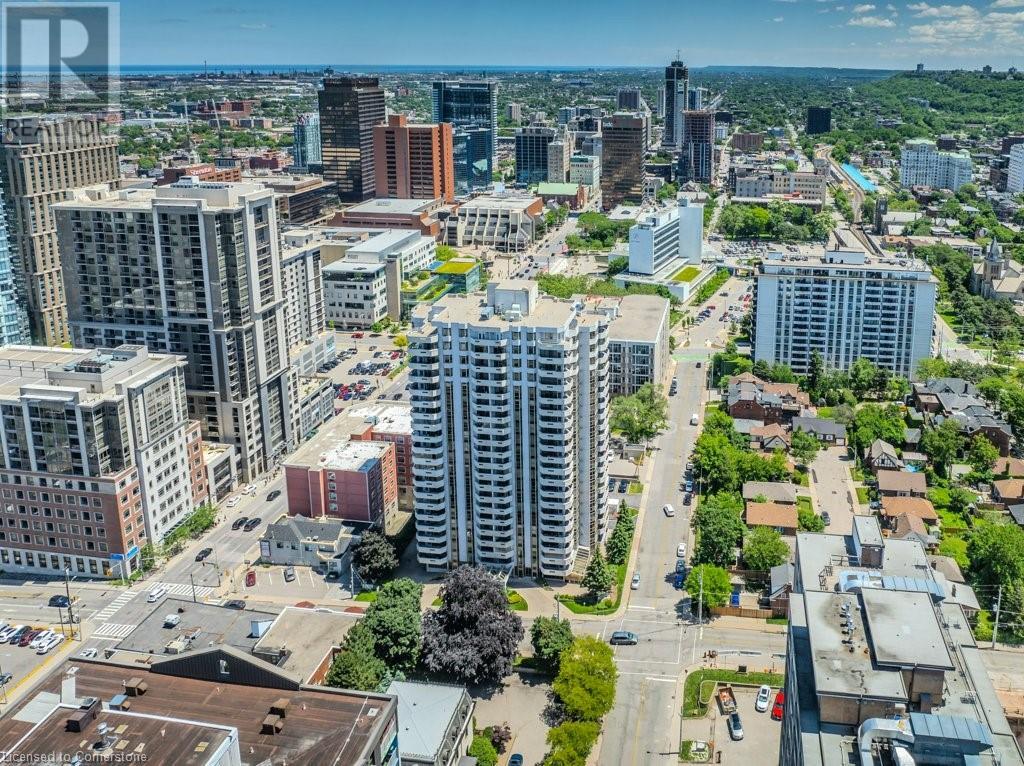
(192, 580)
(995, 628)
(700, 617)
(67, 592)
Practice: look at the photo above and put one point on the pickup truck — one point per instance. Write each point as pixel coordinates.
(726, 700)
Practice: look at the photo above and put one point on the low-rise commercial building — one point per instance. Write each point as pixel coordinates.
(299, 541)
(435, 722)
(302, 199)
(504, 222)
(881, 665)
(420, 215)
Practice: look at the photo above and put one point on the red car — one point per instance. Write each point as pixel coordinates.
(27, 638)
(250, 579)
(357, 335)
(780, 699)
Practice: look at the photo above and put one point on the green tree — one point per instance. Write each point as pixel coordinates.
(571, 743)
(550, 637)
(809, 521)
(641, 416)
(721, 530)
(942, 444)
(585, 684)
(375, 558)
(482, 749)
(621, 538)
(598, 577)
(982, 454)
(803, 446)
(862, 373)
(763, 549)
(960, 499)
(394, 621)
(446, 252)
(716, 586)
(996, 552)
(875, 421)
(357, 666)
(617, 265)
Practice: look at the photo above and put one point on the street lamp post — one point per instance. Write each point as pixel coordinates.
(67, 592)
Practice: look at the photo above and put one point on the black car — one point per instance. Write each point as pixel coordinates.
(61, 602)
(687, 498)
(332, 576)
(239, 522)
(825, 517)
(273, 495)
(251, 524)
(235, 603)
(203, 554)
(5, 679)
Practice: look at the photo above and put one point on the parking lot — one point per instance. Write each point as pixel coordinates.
(307, 586)
(365, 362)
(24, 663)
(760, 733)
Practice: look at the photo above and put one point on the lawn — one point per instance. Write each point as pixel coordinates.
(956, 548)
(462, 266)
(685, 274)
(804, 503)
(862, 495)
(604, 607)
(697, 693)
(367, 595)
(856, 473)
(516, 602)
(636, 487)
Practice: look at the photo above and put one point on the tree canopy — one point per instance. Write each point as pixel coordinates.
(641, 416)
(716, 588)
(585, 684)
(764, 548)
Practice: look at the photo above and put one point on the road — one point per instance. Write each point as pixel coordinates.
(947, 345)
(643, 728)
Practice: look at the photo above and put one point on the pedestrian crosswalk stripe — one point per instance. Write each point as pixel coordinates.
(112, 630)
(184, 589)
(108, 611)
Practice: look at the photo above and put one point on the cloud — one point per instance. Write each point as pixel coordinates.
(871, 21)
(777, 19)
(924, 10)
(863, 8)
(255, 26)
(1008, 4)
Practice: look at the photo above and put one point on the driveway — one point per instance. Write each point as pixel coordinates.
(521, 703)
(832, 488)
(760, 743)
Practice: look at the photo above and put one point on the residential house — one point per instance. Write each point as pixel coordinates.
(1008, 491)
(882, 456)
(893, 507)
(771, 491)
(911, 438)
(1010, 467)
(747, 396)
(917, 460)
(770, 437)
(942, 398)
(779, 587)
(827, 431)
(908, 526)
(300, 541)
(927, 395)
(1017, 513)
(902, 484)
(779, 516)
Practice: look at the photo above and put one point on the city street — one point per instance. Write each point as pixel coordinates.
(643, 727)
(833, 490)
(947, 345)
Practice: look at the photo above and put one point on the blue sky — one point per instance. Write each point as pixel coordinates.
(877, 34)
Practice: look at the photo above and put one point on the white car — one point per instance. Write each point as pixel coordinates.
(88, 654)
(156, 594)
(764, 696)
(250, 489)
(41, 639)
(669, 510)
(681, 551)
(635, 583)
(694, 420)
(53, 643)
(9, 631)
(232, 502)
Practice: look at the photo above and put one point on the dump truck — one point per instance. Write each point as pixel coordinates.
(726, 700)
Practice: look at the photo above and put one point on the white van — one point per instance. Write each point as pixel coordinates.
(156, 594)
(694, 420)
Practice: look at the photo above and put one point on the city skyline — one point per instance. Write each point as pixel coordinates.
(876, 35)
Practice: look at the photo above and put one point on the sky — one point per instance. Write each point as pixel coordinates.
(840, 33)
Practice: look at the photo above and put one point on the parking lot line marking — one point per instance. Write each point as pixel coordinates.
(652, 608)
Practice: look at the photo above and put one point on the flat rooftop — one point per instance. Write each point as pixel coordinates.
(841, 652)
(845, 260)
(640, 318)
(501, 202)
(385, 242)
(392, 206)
(332, 449)
(305, 637)
(904, 629)
(386, 417)
(471, 309)
(202, 625)
(425, 712)
(322, 724)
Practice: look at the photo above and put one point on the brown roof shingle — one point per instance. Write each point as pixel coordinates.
(916, 506)
(771, 515)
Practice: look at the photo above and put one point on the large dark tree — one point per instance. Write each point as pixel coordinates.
(375, 558)
(474, 635)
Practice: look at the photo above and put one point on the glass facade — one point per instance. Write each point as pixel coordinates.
(306, 141)
(13, 319)
(472, 109)
(471, 155)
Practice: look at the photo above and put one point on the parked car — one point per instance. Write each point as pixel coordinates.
(51, 644)
(251, 524)
(694, 420)
(333, 576)
(42, 636)
(687, 498)
(274, 494)
(635, 583)
(156, 594)
(689, 485)
(88, 654)
(15, 637)
(5, 679)
(233, 501)
(735, 726)
(61, 602)
(625, 637)
(172, 620)
(28, 637)
(623, 485)
(515, 760)
(235, 603)
(7, 631)
(289, 574)
(780, 703)
(764, 696)
(669, 510)
(681, 550)
(239, 522)
(679, 581)
(203, 554)
(825, 517)
(680, 566)
(250, 579)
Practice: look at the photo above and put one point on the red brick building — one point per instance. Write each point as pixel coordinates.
(413, 161)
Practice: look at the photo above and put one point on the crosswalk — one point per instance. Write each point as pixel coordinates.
(183, 589)
(110, 609)
(112, 631)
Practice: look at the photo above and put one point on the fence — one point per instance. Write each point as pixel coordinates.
(741, 611)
